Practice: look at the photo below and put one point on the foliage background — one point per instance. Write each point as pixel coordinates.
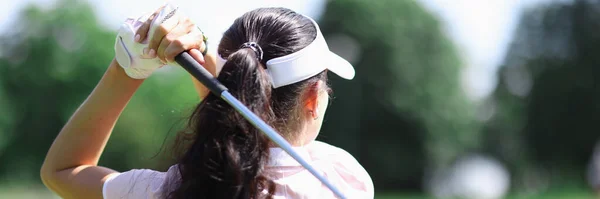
(405, 116)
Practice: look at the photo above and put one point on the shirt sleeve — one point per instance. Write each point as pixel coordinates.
(136, 183)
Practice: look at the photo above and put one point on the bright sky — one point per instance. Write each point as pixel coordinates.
(481, 29)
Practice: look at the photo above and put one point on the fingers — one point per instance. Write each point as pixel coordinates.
(142, 32)
(183, 43)
(173, 38)
(170, 38)
(183, 37)
(197, 55)
(161, 31)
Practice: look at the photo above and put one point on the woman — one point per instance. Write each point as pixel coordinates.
(273, 60)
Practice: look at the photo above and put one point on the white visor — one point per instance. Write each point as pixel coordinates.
(301, 65)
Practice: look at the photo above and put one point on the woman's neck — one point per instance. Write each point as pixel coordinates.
(304, 139)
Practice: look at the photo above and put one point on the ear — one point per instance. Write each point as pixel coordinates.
(311, 100)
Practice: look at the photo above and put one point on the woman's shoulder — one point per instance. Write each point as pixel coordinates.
(350, 171)
(323, 151)
(320, 148)
(139, 183)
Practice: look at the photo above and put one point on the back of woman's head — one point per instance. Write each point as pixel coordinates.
(225, 156)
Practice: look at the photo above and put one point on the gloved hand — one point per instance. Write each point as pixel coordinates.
(130, 54)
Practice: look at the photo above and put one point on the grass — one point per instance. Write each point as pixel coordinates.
(23, 192)
(40, 192)
(561, 194)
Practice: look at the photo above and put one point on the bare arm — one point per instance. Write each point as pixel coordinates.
(70, 168)
(211, 65)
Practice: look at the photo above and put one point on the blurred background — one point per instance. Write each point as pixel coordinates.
(452, 98)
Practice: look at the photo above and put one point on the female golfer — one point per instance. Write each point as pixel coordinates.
(274, 60)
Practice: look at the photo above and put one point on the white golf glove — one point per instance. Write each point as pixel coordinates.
(129, 53)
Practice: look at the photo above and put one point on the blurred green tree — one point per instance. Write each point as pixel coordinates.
(50, 62)
(547, 110)
(405, 111)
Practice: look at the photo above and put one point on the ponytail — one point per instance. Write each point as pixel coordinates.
(228, 159)
(225, 155)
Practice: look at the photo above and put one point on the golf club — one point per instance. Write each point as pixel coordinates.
(199, 72)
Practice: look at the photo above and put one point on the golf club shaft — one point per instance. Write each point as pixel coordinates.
(195, 69)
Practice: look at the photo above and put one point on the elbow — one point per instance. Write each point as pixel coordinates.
(47, 174)
(49, 177)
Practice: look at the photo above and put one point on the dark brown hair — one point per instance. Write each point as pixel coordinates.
(225, 156)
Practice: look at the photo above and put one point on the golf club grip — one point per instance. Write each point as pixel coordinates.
(200, 73)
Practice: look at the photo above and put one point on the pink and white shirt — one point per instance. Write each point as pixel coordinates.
(291, 179)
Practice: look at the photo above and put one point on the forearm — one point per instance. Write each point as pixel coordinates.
(200, 88)
(83, 138)
(211, 65)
